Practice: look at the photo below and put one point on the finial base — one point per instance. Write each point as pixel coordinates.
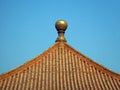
(61, 39)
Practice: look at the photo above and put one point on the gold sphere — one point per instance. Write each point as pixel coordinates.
(61, 25)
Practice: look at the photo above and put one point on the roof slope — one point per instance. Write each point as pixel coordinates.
(60, 67)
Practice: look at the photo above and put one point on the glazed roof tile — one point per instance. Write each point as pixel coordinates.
(60, 67)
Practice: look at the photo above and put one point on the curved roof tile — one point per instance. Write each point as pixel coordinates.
(60, 67)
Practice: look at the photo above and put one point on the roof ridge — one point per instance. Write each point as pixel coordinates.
(27, 63)
(30, 62)
(96, 64)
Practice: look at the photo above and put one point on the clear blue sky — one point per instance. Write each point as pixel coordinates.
(27, 29)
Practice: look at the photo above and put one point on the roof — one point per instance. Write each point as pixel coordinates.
(60, 67)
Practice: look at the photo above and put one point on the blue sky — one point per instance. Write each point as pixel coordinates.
(27, 29)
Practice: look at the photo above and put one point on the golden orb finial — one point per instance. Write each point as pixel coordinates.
(61, 26)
